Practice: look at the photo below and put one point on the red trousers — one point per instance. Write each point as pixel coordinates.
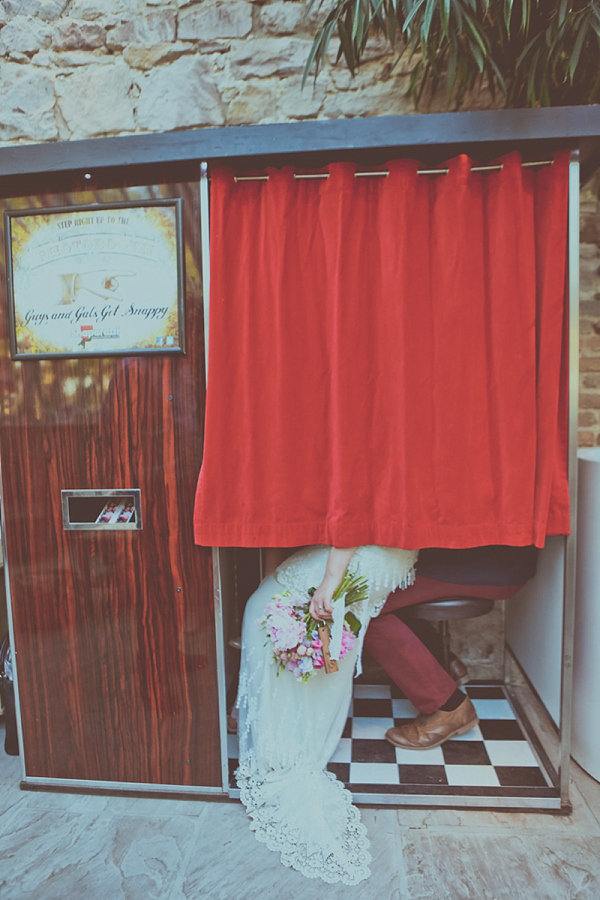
(403, 656)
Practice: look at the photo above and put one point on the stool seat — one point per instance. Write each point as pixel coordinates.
(450, 608)
(446, 608)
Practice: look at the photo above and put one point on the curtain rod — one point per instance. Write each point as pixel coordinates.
(494, 168)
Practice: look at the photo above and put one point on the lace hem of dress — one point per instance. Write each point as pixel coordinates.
(347, 862)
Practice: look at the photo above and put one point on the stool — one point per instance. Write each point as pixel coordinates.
(447, 608)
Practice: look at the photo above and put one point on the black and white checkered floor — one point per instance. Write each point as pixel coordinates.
(494, 760)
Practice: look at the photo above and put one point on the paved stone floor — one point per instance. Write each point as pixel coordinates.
(75, 847)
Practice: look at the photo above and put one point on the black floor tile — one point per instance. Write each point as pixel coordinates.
(373, 677)
(397, 694)
(366, 750)
(484, 692)
(376, 788)
(501, 730)
(422, 774)
(465, 753)
(340, 770)
(517, 776)
(347, 732)
(376, 708)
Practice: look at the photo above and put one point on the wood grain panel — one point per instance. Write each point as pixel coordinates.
(114, 631)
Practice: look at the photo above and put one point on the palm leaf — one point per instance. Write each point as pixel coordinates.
(581, 36)
(533, 51)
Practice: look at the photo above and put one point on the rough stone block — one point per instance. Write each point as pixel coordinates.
(250, 104)
(48, 10)
(71, 59)
(589, 400)
(70, 34)
(267, 57)
(107, 10)
(216, 20)
(27, 105)
(213, 46)
(590, 308)
(282, 17)
(298, 103)
(588, 252)
(180, 95)
(96, 100)
(586, 438)
(590, 381)
(387, 98)
(155, 28)
(140, 57)
(589, 232)
(590, 345)
(589, 364)
(25, 35)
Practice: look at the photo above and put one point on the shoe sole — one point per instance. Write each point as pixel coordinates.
(462, 730)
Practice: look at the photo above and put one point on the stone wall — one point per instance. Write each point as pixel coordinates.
(73, 69)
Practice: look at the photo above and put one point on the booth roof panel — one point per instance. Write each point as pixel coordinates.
(477, 131)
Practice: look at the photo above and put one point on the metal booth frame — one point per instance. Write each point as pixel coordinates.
(484, 135)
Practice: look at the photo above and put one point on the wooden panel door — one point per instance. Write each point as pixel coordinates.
(114, 631)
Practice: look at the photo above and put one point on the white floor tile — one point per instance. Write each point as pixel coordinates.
(433, 757)
(343, 751)
(493, 709)
(374, 773)
(510, 753)
(367, 727)
(403, 709)
(372, 692)
(472, 776)
(473, 735)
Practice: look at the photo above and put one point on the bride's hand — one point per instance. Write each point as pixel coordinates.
(320, 604)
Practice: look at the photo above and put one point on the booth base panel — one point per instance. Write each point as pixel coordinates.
(492, 766)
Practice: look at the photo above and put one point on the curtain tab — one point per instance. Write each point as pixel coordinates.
(459, 166)
(341, 172)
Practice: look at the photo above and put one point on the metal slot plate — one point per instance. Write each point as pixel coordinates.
(114, 509)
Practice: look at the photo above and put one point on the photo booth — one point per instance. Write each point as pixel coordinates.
(124, 628)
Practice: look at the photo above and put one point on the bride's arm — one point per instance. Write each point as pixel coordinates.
(337, 562)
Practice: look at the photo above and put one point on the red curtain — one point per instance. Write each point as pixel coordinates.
(387, 360)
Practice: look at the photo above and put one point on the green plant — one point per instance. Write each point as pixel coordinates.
(535, 52)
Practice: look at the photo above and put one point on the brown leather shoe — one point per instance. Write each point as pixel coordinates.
(458, 671)
(431, 730)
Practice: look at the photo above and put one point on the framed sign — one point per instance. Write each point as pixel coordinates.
(96, 280)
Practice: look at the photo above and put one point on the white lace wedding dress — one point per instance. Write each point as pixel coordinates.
(288, 730)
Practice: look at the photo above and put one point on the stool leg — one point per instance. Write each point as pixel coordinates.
(445, 635)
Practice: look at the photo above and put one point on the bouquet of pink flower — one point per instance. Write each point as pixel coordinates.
(294, 633)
